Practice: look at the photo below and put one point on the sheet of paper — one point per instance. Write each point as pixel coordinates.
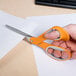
(8, 38)
(47, 66)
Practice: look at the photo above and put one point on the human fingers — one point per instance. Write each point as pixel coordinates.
(71, 45)
(52, 35)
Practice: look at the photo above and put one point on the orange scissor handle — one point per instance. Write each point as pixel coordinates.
(63, 33)
(63, 36)
(48, 46)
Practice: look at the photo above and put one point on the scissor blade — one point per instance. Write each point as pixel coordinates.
(17, 31)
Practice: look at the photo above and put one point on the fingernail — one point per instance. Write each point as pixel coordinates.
(64, 55)
(50, 50)
(57, 53)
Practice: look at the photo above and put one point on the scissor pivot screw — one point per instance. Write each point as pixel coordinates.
(31, 40)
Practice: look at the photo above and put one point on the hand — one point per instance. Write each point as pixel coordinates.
(69, 45)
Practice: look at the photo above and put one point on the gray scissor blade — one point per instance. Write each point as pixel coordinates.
(17, 31)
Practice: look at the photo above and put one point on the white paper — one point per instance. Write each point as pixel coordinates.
(8, 38)
(47, 66)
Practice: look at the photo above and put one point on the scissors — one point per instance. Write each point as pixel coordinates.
(39, 41)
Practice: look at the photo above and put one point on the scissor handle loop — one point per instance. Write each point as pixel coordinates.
(62, 33)
(60, 49)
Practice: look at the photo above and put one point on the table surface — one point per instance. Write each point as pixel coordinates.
(20, 60)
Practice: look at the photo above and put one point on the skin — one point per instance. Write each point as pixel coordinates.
(69, 45)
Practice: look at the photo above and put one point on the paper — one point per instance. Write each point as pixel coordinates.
(37, 25)
(47, 66)
(8, 38)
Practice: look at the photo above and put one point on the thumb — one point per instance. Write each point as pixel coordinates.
(52, 35)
